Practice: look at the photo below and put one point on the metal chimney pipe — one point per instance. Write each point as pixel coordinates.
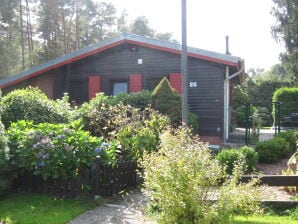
(227, 45)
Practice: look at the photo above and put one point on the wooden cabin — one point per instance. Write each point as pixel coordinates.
(131, 63)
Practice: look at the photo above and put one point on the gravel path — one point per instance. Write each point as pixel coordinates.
(127, 209)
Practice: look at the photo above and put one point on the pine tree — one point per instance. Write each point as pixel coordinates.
(285, 30)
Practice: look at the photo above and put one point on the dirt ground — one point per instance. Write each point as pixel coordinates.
(274, 168)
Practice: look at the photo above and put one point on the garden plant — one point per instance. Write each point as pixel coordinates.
(182, 180)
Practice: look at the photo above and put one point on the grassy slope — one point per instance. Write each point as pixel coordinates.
(266, 219)
(32, 208)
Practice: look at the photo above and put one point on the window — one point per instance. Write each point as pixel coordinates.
(119, 87)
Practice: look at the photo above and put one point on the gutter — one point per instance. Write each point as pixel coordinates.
(227, 98)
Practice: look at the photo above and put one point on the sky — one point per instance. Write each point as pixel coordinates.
(246, 22)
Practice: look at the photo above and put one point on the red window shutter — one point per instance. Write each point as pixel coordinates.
(94, 86)
(176, 81)
(135, 83)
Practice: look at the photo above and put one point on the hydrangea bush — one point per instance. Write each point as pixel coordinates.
(55, 150)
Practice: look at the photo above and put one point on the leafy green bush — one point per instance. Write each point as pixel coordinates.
(141, 136)
(136, 142)
(101, 118)
(284, 147)
(250, 158)
(32, 104)
(181, 177)
(193, 123)
(289, 136)
(5, 175)
(123, 123)
(52, 150)
(288, 96)
(229, 158)
(140, 99)
(271, 150)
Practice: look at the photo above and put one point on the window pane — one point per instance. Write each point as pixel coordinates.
(119, 87)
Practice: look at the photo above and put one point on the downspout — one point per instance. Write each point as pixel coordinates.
(227, 98)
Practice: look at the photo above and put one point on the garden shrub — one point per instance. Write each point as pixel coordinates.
(290, 137)
(271, 150)
(181, 177)
(167, 101)
(136, 142)
(140, 99)
(229, 158)
(5, 174)
(32, 104)
(284, 147)
(141, 136)
(288, 96)
(53, 150)
(101, 118)
(250, 158)
(193, 123)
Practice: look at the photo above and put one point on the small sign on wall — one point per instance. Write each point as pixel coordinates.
(193, 84)
(140, 61)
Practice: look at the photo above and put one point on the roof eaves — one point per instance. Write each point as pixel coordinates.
(191, 50)
(92, 49)
(60, 61)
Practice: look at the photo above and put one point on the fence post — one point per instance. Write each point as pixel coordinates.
(247, 114)
(278, 115)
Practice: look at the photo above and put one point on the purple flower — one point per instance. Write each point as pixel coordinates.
(98, 150)
(66, 146)
(67, 130)
(105, 145)
(41, 164)
(31, 135)
(45, 140)
(45, 156)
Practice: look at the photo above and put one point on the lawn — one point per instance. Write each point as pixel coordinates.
(35, 209)
(266, 219)
(271, 217)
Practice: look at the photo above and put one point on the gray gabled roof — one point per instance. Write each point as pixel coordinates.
(109, 43)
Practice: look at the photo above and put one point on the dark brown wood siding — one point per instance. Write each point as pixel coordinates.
(120, 62)
(205, 100)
